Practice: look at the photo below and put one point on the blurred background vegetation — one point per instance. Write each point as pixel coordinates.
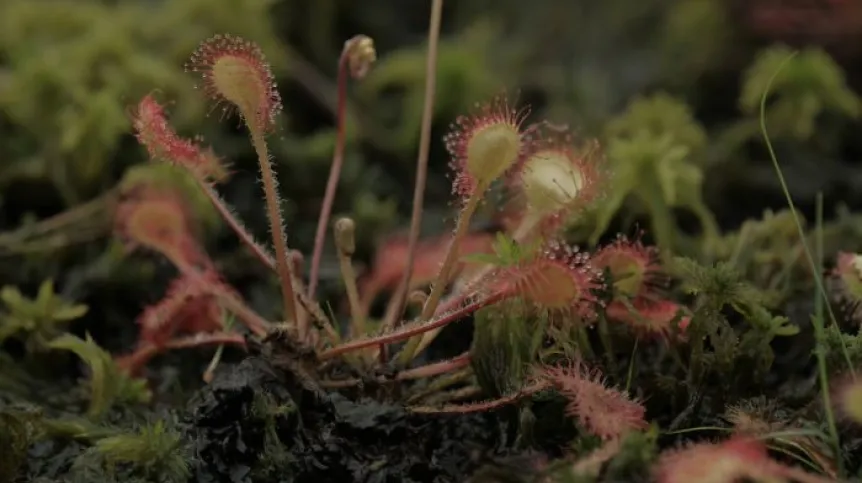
(670, 87)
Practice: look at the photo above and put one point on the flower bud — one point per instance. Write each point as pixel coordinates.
(345, 236)
(360, 55)
(417, 298)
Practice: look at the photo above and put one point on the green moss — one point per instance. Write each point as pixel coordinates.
(660, 115)
(36, 321)
(19, 429)
(85, 62)
(506, 343)
(808, 87)
(152, 453)
(109, 385)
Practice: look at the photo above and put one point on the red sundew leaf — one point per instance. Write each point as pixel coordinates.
(159, 219)
(558, 279)
(650, 317)
(196, 314)
(558, 177)
(846, 277)
(187, 308)
(633, 267)
(163, 144)
(485, 145)
(235, 73)
(847, 399)
(604, 411)
(725, 462)
(132, 363)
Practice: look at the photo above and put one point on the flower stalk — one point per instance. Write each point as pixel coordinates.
(356, 58)
(421, 164)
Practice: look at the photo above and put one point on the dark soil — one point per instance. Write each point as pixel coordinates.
(329, 438)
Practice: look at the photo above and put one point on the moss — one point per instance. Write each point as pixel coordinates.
(82, 64)
(18, 430)
(154, 453)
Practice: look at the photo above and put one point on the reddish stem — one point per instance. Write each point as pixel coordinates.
(408, 331)
(133, 362)
(452, 302)
(231, 220)
(435, 369)
(255, 323)
(429, 370)
(334, 171)
(279, 239)
(421, 160)
(484, 406)
(215, 338)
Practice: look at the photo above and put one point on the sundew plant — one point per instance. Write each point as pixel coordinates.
(644, 366)
(560, 296)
